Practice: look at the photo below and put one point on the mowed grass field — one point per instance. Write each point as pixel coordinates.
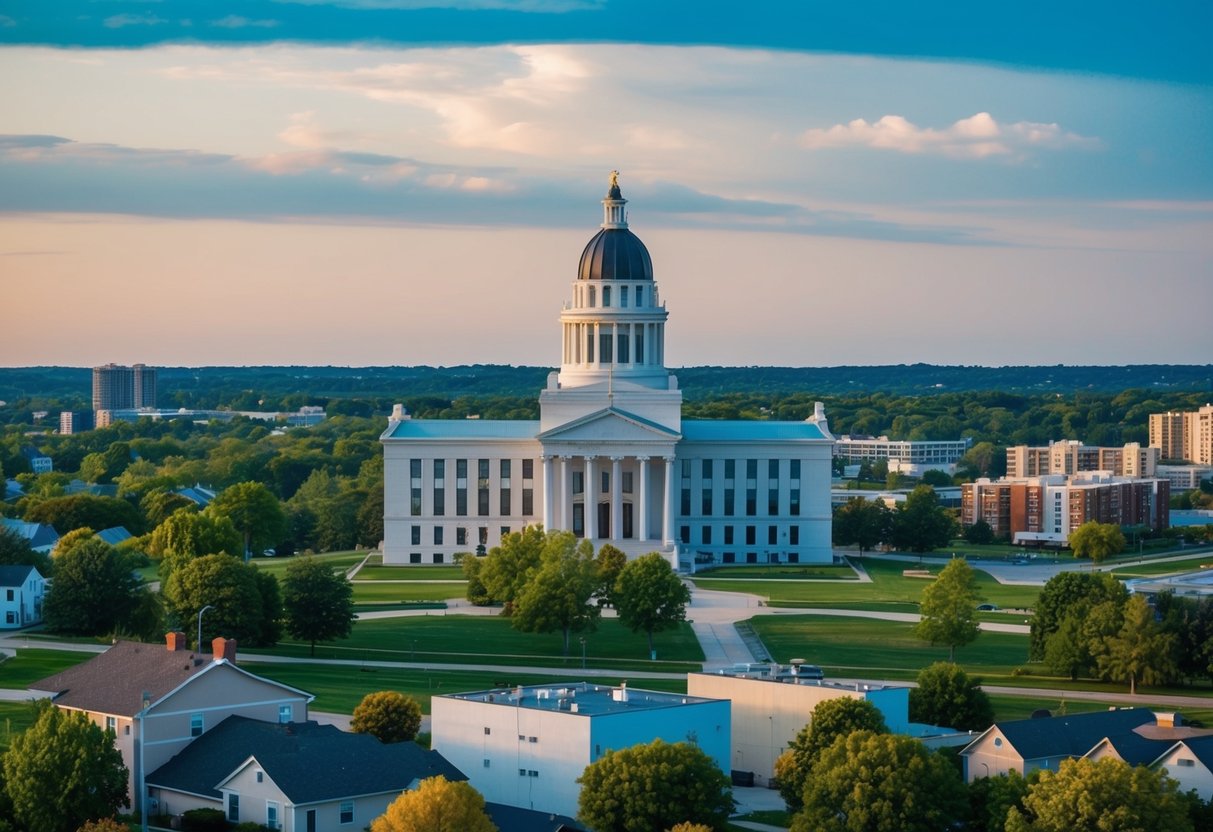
(491, 639)
(888, 590)
(374, 571)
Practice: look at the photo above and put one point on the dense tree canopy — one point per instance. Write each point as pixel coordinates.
(387, 715)
(436, 805)
(921, 524)
(507, 568)
(1097, 541)
(80, 510)
(946, 695)
(95, 591)
(862, 523)
(254, 511)
(1140, 650)
(949, 608)
(319, 603)
(62, 771)
(868, 782)
(654, 786)
(1109, 794)
(650, 596)
(187, 534)
(233, 590)
(557, 595)
(1070, 593)
(828, 721)
(15, 551)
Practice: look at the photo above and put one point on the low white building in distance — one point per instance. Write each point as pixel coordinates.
(527, 746)
(611, 458)
(1184, 477)
(910, 457)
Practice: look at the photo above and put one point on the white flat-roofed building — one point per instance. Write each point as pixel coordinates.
(610, 457)
(527, 746)
(911, 457)
(770, 708)
(1184, 477)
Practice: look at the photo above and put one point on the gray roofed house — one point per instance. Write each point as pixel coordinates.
(22, 591)
(515, 819)
(294, 768)
(114, 535)
(196, 493)
(40, 536)
(1190, 761)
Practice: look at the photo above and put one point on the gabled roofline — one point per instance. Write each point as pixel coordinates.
(982, 736)
(639, 421)
(224, 662)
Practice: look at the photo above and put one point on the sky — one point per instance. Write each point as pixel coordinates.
(402, 182)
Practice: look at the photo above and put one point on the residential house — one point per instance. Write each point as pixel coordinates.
(198, 494)
(40, 536)
(292, 776)
(39, 462)
(1190, 761)
(114, 535)
(22, 590)
(159, 699)
(527, 746)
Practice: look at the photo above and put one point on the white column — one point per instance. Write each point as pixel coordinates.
(548, 493)
(566, 495)
(616, 498)
(644, 498)
(667, 526)
(591, 500)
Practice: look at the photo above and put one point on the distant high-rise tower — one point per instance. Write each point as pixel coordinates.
(123, 388)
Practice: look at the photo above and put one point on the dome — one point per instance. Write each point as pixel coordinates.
(615, 254)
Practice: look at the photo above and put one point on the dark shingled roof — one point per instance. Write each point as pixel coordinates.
(513, 819)
(615, 254)
(1137, 750)
(114, 681)
(1071, 736)
(14, 575)
(307, 761)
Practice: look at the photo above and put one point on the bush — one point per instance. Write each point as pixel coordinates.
(203, 820)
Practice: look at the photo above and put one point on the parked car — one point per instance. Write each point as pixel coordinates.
(987, 608)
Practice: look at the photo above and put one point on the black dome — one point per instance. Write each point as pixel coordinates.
(615, 254)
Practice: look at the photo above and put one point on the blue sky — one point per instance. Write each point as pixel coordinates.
(960, 183)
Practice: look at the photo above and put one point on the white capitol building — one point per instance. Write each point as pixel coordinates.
(611, 458)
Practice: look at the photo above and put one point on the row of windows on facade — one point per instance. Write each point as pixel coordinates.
(590, 297)
(461, 535)
(707, 488)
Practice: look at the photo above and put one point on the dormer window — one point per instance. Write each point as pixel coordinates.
(606, 296)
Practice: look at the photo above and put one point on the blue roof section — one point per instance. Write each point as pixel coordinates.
(114, 535)
(14, 576)
(462, 429)
(747, 430)
(1073, 735)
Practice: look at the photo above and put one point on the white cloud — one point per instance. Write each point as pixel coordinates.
(117, 21)
(235, 21)
(979, 136)
(536, 6)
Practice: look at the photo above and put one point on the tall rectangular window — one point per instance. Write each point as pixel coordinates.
(751, 487)
(528, 487)
(461, 487)
(589, 341)
(622, 355)
(705, 535)
(415, 535)
(284, 714)
(626, 482)
(605, 476)
(794, 535)
(438, 535)
(415, 487)
(705, 485)
(772, 535)
(233, 808)
(482, 487)
(751, 535)
(578, 482)
(505, 488)
(639, 337)
(461, 536)
(728, 535)
(271, 814)
(794, 488)
(439, 487)
(346, 812)
(196, 725)
(794, 502)
(684, 504)
(730, 486)
(604, 347)
(623, 296)
(684, 534)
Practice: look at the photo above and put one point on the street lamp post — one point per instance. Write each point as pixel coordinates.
(198, 646)
(582, 640)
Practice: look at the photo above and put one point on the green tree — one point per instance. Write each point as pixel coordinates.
(475, 592)
(862, 523)
(829, 720)
(949, 608)
(979, 533)
(319, 602)
(80, 510)
(387, 715)
(609, 562)
(1105, 795)
(254, 511)
(936, 478)
(158, 504)
(62, 771)
(104, 466)
(868, 782)
(508, 567)
(95, 591)
(229, 586)
(436, 805)
(650, 596)
(984, 459)
(920, 524)
(557, 596)
(69, 542)
(187, 534)
(15, 551)
(1097, 541)
(654, 786)
(1070, 593)
(1140, 650)
(946, 695)
(991, 799)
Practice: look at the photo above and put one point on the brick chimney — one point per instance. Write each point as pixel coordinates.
(224, 648)
(174, 641)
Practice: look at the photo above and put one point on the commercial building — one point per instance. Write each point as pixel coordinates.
(903, 456)
(1071, 457)
(1184, 477)
(116, 387)
(1044, 510)
(610, 458)
(1184, 436)
(76, 421)
(527, 746)
(769, 707)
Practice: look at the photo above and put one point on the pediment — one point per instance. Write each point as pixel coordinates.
(610, 425)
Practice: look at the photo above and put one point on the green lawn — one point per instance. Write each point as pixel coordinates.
(784, 572)
(425, 572)
(338, 560)
(373, 592)
(15, 717)
(1152, 569)
(1009, 707)
(445, 639)
(339, 689)
(888, 587)
(33, 664)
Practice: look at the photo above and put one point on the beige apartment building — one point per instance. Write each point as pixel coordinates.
(1070, 456)
(1186, 436)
